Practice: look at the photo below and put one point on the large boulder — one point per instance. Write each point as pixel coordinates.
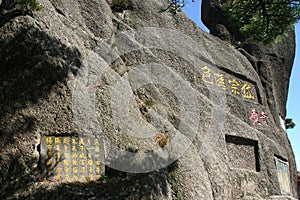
(171, 103)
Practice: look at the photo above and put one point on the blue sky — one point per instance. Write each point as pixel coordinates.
(293, 107)
(193, 10)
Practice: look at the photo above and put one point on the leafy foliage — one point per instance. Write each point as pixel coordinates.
(178, 3)
(174, 6)
(262, 20)
(289, 123)
(33, 4)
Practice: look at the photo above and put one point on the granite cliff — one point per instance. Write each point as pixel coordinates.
(180, 113)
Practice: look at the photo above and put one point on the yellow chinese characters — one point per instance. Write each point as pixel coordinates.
(49, 140)
(247, 91)
(234, 84)
(57, 140)
(206, 75)
(81, 141)
(75, 159)
(219, 79)
(216, 79)
(97, 149)
(66, 140)
(66, 163)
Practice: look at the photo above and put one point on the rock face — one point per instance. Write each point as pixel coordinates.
(171, 102)
(273, 63)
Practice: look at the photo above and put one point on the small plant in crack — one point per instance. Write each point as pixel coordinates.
(31, 4)
(161, 139)
(146, 105)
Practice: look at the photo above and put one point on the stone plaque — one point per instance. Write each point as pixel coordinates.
(71, 159)
(243, 153)
(283, 174)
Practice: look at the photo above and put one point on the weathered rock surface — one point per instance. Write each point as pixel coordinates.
(273, 63)
(127, 57)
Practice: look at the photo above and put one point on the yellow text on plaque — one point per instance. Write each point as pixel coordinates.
(90, 162)
(75, 177)
(49, 140)
(96, 142)
(58, 177)
(75, 170)
(66, 140)
(49, 154)
(97, 162)
(98, 170)
(58, 156)
(66, 147)
(74, 155)
(74, 162)
(66, 169)
(67, 177)
(59, 170)
(82, 162)
(56, 140)
(73, 148)
(81, 147)
(74, 141)
(97, 149)
(81, 155)
(91, 176)
(81, 141)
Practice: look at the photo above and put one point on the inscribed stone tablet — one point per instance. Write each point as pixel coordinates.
(69, 159)
(283, 173)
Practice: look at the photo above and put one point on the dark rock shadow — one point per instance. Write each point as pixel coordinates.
(31, 64)
(117, 185)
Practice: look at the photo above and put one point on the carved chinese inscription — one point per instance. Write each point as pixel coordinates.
(283, 174)
(228, 83)
(260, 120)
(72, 159)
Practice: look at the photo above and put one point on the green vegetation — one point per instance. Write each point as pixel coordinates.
(32, 4)
(174, 6)
(262, 20)
(178, 3)
(174, 179)
(146, 105)
(289, 123)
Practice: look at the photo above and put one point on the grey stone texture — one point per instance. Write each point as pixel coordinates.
(43, 53)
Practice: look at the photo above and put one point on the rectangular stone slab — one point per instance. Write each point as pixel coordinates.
(283, 174)
(72, 159)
